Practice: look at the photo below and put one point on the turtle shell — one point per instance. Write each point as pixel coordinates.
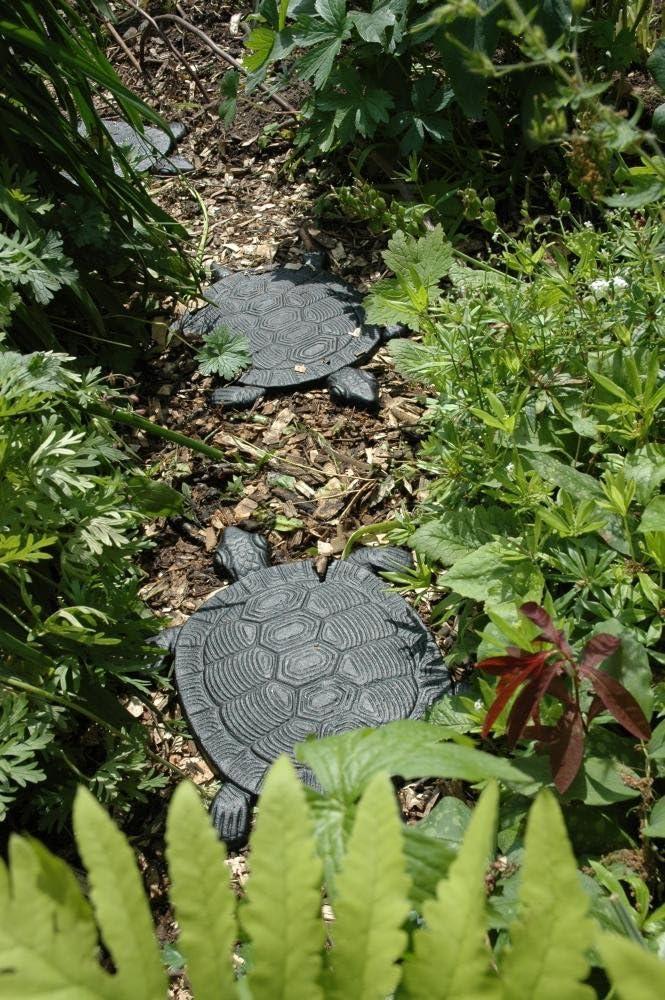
(302, 325)
(282, 655)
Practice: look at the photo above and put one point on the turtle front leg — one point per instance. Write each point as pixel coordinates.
(167, 638)
(231, 812)
(354, 387)
(382, 558)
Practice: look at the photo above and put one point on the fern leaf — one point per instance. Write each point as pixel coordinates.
(48, 939)
(282, 915)
(202, 896)
(451, 958)
(371, 902)
(547, 959)
(635, 973)
(119, 901)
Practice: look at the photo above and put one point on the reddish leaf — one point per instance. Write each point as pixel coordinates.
(595, 708)
(619, 702)
(501, 665)
(598, 649)
(566, 750)
(504, 692)
(550, 633)
(527, 701)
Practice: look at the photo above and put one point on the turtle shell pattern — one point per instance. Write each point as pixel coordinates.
(302, 325)
(281, 655)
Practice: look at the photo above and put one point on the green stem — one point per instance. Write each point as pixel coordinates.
(367, 529)
(141, 423)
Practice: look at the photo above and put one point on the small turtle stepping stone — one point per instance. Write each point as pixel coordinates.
(149, 150)
(303, 326)
(282, 654)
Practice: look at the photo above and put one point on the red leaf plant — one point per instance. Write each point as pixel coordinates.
(554, 671)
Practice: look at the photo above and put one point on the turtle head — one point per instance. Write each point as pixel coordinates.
(239, 553)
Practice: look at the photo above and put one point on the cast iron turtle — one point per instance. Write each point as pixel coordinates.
(282, 654)
(149, 150)
(304, 326)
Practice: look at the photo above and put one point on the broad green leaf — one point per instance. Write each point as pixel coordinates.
(201, 894)
(259, 45)
(602, 781)
(547, 959)
(317, 64)
(448, 821)
(462, 532)
(656, 825)
(653, 518)
(333, 12)
(48, 939)
(451, 958)
(344, 764)
(119, 901)
(429, 256)
(636, 974)
(656, 63)
(282, 914)
(496, 574)
(564, 476)
(371, 903)
(372, 26)
(553, 16)
(462, 40)
(427, 861)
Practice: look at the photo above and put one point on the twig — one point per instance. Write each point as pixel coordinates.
(123, 45)
(179, 55)
(214, 47)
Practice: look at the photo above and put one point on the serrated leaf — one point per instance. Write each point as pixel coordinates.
(317, 64)
(282, 914)
(224, 353)
(201, 894)
(429, 256)
(547, 959)
(119, 901)
(427, 861)
(371, 903)
(259, 44)
(48, 939)
(635, 973)
(451, 958)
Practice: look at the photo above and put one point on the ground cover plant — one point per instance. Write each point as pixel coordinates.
(276, 942)
(544, 451)
(85, 253)
(73, 630)
(487, 92)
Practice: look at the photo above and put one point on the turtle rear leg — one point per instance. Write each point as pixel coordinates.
(231, 811)
(354, 387)
(382, 558)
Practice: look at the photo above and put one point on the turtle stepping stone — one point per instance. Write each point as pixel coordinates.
(150, 150)
(304, 326)
(282, 654)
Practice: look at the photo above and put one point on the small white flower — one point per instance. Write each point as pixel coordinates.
(588, 225)
(619, 283)
(510, 468)
(478, 704)
(599, 287)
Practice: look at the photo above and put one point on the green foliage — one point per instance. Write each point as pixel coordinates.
(73, 629)
(542, 448)
(467, 84)
(50, 933)
(79, 235)
(224, 353)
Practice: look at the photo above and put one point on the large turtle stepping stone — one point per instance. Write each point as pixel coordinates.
(303, 325)
(149, 150)
(282, 654)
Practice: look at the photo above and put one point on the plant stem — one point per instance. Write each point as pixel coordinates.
(141, 423)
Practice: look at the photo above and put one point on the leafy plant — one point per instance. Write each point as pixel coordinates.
(73, 629)
(50, 932)
(224, 353)
(80, 237)
(537, 674)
